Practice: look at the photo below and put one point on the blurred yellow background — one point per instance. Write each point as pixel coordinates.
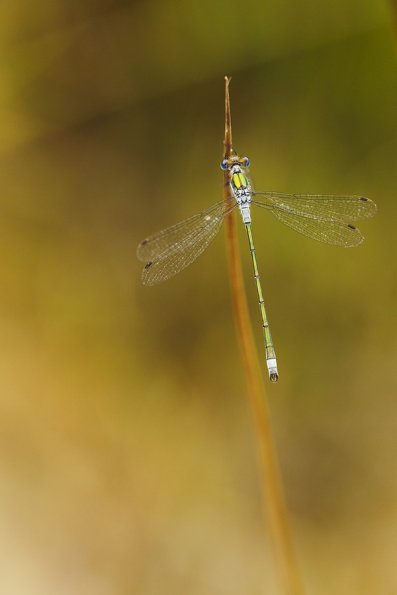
(128, 462)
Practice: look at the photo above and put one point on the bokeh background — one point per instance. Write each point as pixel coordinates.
(128, 463)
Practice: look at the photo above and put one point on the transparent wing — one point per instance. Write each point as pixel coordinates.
(171, 237)
(173, 249)
(322, 217)
(324, 207)
(337, 233)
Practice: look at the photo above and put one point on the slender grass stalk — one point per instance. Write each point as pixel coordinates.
(274, 503)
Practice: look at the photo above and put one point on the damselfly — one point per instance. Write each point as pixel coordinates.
(326, 218)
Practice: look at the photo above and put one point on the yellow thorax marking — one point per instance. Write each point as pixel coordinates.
(239, 180)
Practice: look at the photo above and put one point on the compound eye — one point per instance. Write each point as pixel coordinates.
(224, 164)
(245, 162)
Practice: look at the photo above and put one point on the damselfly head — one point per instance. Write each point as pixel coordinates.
(245, 162)
(227, 164)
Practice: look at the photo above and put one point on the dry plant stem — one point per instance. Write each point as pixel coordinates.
(274, 500)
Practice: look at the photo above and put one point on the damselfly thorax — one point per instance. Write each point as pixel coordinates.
(240, 183)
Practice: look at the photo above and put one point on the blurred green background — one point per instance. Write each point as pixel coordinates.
(128, 461)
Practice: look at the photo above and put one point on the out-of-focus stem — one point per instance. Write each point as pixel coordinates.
(274, 502)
